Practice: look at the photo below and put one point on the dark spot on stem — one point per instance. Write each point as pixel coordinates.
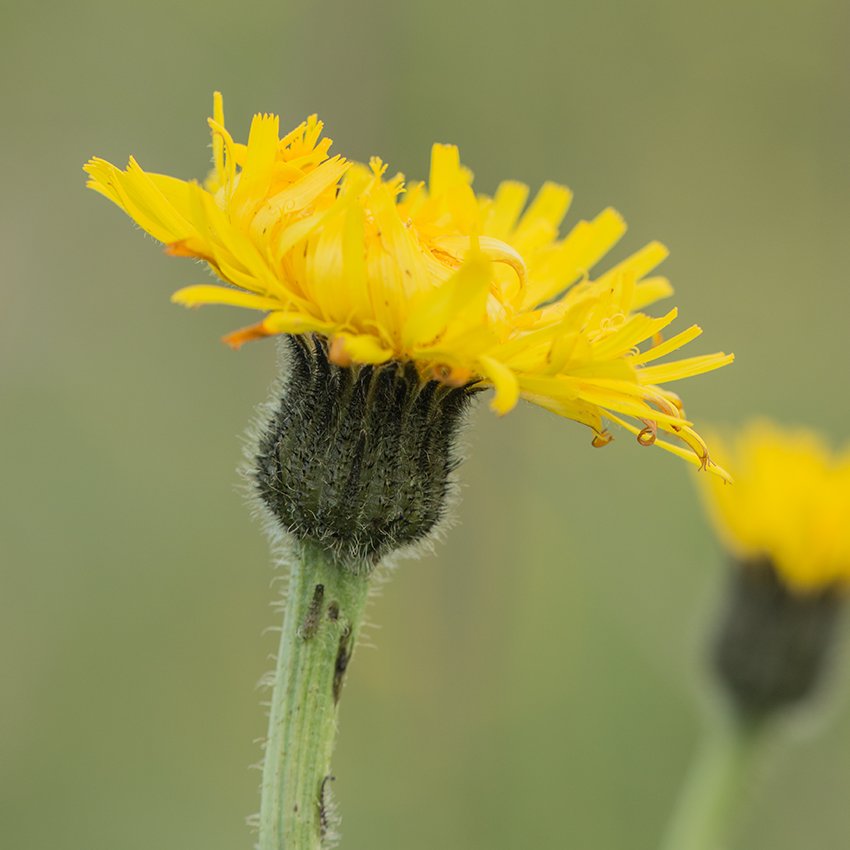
(323, 815)
(333, 612)
(343, 656)
(314, 613)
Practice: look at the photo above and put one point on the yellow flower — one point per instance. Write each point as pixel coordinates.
(469, 288)
(790, 503)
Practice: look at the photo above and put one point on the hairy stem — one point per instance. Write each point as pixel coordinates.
(323, 614)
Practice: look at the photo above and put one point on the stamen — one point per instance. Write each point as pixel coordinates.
(602, 439)
(649, 434)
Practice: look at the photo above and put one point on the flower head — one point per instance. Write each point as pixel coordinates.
(789, 505)
(470, 289)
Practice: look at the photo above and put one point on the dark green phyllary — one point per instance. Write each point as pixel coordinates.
(359, 459)
(774, 642)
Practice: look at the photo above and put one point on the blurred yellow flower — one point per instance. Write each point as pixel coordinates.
(470, 288)
(790, 503)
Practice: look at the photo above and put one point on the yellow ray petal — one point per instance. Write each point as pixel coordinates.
(121, 187)
(607, 230)
(670, 345)
(650, 290)
(642, 262)
(193, 296)
(687, 368)
(216, 178)
(364, 348)
(561, 387)
(256, 174)
(636, 329)
(626, 404)
(295, 323)
(504, 382)
(579, 411)
(507, 205)
(548, 207)
(100, 178)
(294, 198)
(468, 286)
(446, 170)
(585, 245)
(400, 243)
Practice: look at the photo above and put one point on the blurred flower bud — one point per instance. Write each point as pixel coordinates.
(773, 643)
(786, 520)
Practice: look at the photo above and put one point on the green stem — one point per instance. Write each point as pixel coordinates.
(708, 804)
(324, 611)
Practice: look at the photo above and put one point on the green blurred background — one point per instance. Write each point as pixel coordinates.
(534, 683)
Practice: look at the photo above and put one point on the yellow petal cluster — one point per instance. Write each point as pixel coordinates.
(470, 288)
(790, 503)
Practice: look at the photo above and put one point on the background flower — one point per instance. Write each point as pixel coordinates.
(786, 524)
(790, 504)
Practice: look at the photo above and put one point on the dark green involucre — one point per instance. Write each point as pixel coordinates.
(359, 459)
(774, 642)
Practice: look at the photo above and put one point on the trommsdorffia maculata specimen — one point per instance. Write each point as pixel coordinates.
(397, 302)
